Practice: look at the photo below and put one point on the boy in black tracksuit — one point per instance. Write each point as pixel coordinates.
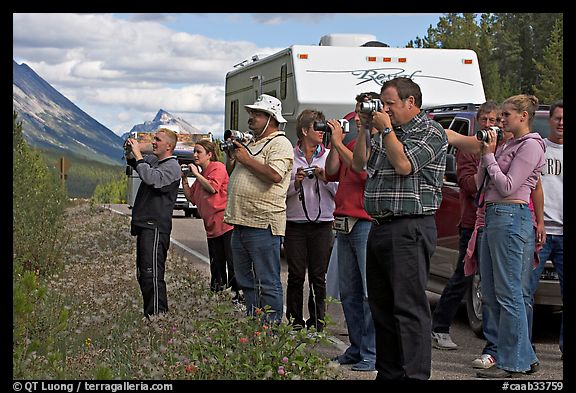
(152, 216)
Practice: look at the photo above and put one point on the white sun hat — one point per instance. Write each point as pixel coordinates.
(270, 105)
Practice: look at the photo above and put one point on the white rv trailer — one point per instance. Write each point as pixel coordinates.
(328, 78)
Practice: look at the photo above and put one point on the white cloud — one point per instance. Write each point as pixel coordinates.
(136, 65)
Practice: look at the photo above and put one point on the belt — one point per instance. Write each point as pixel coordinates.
(387, 219)
(505, 203)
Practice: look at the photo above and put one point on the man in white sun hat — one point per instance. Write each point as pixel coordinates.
(259, 178)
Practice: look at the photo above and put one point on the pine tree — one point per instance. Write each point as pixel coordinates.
(549, 87)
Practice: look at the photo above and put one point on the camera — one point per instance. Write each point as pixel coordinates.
(234, 135)
(309, 172)
(482, 135)
(371, 106)
(185, 169)
(324, 127)
(128, 150)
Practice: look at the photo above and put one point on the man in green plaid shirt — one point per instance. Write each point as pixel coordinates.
(405, 160)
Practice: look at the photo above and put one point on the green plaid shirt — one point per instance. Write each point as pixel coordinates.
(420, 192)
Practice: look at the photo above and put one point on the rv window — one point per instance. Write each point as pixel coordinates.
(283, 81)
(234, 115)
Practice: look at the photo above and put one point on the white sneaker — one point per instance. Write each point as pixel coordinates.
(443, 341)
(484, 361)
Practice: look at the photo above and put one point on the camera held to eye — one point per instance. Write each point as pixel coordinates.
(309, 172)
(185, 169)
(324, 127)
(127, 150)
(482, 135)
(371, 106)
(234, 135)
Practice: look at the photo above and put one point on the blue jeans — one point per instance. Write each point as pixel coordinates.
(506, 265)
(552, 250)
(256, 254)
(354, 292)
(489, 325)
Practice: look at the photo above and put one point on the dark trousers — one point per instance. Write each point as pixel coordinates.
(221, 263)
(397, 266)
(307, 247)
(454, 291)
(151, 250)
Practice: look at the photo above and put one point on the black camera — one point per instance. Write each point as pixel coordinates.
(185, 169)
(482, 135)
(324, 127)
(234, 135)
(127, 150)
(309, 172)
(371, 106)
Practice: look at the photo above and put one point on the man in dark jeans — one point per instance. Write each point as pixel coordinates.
(152, 215)
(466, 168)
(405, 167)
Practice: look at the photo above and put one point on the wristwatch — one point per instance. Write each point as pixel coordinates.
(386, 131)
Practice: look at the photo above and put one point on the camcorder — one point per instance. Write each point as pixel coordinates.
(234, 135)
(370, 106)
(185, 169)
(482, 135)
(324, 127)
(128, 150)
(309, 172)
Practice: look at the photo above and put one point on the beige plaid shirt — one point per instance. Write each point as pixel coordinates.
(254, 203)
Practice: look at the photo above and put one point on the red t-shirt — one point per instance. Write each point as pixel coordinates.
(349, 197)
(211, 206)
(466, 168)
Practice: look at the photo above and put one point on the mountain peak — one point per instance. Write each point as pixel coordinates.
(162, 116)
(166, 120)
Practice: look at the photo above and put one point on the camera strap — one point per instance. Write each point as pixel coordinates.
(303, 201)
(267, 142)
(478, 199)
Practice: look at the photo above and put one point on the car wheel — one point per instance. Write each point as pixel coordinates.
(474, 306)
(195, 213)
(187, 212)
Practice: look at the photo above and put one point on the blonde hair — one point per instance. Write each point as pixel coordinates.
(171, 135)
(523, 102)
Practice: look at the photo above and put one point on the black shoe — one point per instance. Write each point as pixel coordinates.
(364, 365)
(497, 373)
(534, 367)
(344, 359)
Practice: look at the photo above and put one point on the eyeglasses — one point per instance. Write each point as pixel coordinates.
(253, 112)
(490, 119)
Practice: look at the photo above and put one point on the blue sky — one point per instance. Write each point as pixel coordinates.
(122, 68)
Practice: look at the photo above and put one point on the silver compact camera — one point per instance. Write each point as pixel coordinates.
(309, 172)
(482, 135)
(234, 135)
(185, 169)
(371, 106)
(324, 127)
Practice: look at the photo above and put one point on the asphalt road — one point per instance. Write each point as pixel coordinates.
(188, 235)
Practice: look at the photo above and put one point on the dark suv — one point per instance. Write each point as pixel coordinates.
(462, 119)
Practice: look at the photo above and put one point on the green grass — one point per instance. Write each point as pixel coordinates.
(91, 315)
